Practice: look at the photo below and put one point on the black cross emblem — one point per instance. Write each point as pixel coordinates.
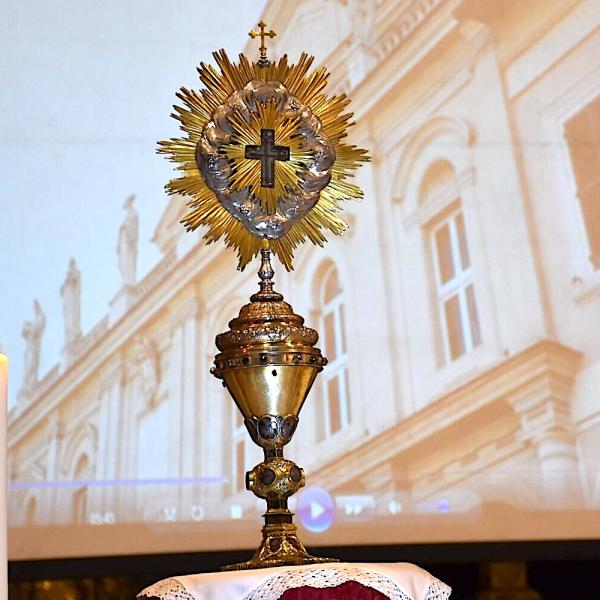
(267, 153)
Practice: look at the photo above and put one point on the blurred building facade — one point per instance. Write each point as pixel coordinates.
(459, 314)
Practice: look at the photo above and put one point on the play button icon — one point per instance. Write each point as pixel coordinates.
(315, 509)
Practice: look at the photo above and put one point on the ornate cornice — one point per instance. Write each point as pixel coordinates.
(493, 392)
(438, 126)
(164, 284)
(183, 310)
(412, 16)
(543, 402)
(156, 275)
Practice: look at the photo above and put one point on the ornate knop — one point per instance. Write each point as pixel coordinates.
(276, 477)
(265, 275)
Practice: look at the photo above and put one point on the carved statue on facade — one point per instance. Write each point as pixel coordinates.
(127, 243)
(147, 361)
(32, 332)
(70, 292)
(362, 15)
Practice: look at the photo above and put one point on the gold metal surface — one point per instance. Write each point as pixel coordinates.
(247, 172)
(199, 108)
(272, 390)
(262, 34)
(280, 547)
(264, 165)
(268, 362)
(275, 476)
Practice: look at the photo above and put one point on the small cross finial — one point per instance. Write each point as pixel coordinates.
(262, 61)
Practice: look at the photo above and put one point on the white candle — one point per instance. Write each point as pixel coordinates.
(3, 528)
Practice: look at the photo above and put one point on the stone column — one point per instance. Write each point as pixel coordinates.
(543, 406)
(104, 499)
(184, 385)
(216, 443)
(486, 300)
(389, 375)
(127, 496)
(560, 469)
(546, 424)
(51, 496)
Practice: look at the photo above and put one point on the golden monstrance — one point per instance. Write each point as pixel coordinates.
(264, 165)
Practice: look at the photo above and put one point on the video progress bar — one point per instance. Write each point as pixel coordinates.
(79, 483)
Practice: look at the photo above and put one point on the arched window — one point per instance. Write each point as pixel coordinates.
(240, 453)
(79, 511)
(446, 234)
(582, 132)
(335, 396)
(241, 457)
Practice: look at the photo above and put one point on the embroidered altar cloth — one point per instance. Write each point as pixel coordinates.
(396, 581)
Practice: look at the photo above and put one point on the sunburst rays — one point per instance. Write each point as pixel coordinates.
(247, 172)
(206, 210)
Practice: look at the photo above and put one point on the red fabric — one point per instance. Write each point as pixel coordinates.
(351, 590)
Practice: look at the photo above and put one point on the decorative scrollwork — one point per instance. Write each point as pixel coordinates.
(296, 189)
(277, 112)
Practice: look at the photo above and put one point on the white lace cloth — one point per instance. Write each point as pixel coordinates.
(397, 581)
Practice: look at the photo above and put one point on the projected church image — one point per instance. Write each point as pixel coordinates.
(464, 298)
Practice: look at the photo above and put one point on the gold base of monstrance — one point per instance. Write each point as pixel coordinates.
(268, 363)
(264, 166)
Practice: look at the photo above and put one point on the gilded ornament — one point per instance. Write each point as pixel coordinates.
(264, 157)
(265, 166)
